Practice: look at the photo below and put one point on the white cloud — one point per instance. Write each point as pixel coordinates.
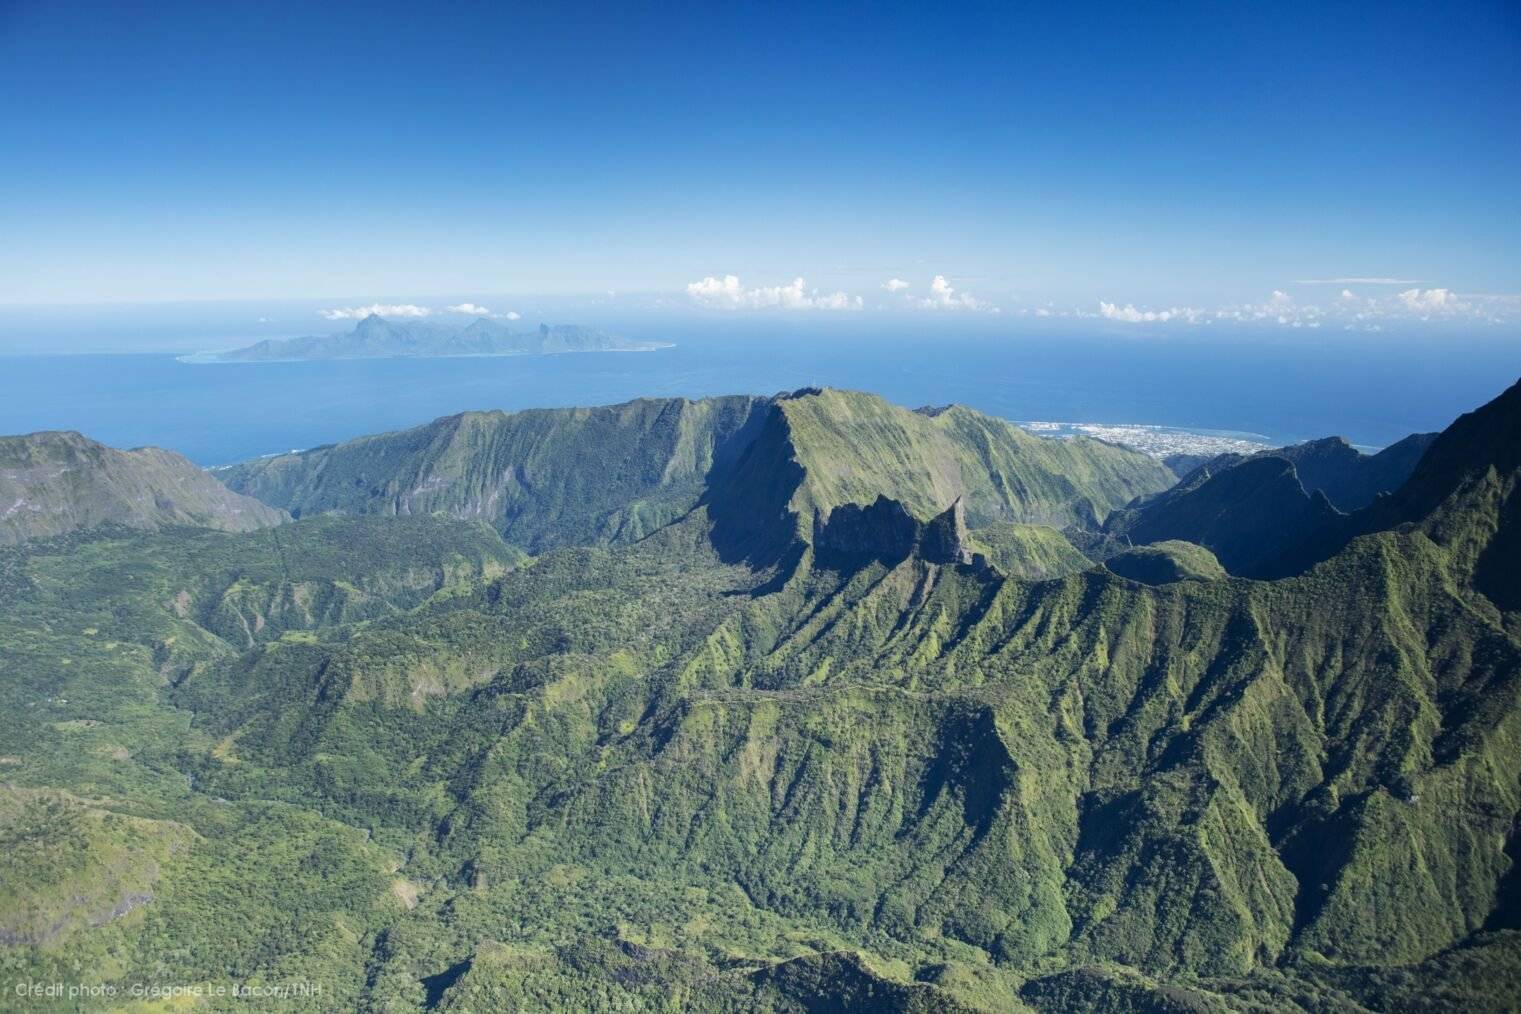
(1129, 314)
(727, 294)
(513, 315)
(380, 309)
(472, 309)
(1431, 301)
(1362, 311)
(835, 301)
(943, 296)
(895, 285)
(1281, 298)
(1358, 281)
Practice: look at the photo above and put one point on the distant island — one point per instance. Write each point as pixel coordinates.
(377, 337)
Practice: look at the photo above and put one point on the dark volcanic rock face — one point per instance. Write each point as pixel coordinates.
(886, 531)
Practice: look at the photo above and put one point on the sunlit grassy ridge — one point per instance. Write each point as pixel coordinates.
(854, 447)
(682, 771)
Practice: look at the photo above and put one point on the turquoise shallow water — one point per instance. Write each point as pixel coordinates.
(222, 413)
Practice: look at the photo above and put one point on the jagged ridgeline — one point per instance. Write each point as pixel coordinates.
(800, 738)
(556, 477)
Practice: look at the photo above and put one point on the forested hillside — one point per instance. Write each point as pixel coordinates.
(554, 477)
(801, 704)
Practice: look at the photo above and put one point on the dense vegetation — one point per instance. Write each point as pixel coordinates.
(849, 732)
(1165, 562)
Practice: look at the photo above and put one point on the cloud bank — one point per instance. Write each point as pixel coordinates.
(728, 294)
(378, 309)
(1353, 312)
(1128, 314)
(412, 310)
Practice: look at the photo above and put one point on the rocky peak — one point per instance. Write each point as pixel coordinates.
(943, 538)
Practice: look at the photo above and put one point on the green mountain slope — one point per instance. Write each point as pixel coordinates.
(553, 477)
(1165, 562)
(52, 483)
(853, 447)
(819, 450)
(863, 770)
(1028, 551)
(543, 477)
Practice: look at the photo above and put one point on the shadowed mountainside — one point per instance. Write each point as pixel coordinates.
(1248, 514)
(1350, 479)
(1264, 515)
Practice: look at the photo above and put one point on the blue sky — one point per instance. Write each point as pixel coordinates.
(1148, 164)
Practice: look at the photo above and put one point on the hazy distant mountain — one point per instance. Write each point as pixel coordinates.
(1259, 513)
(378, 337)
(1349, 478)
(1247, 513)
(52, 483)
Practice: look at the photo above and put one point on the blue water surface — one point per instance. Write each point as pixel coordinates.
(1284, 391)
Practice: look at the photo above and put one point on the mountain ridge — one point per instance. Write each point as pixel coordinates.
(1265, 514)
(1349, 478)
(57, 481)
(632, 467)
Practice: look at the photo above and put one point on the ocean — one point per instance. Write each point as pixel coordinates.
(1279, 391)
